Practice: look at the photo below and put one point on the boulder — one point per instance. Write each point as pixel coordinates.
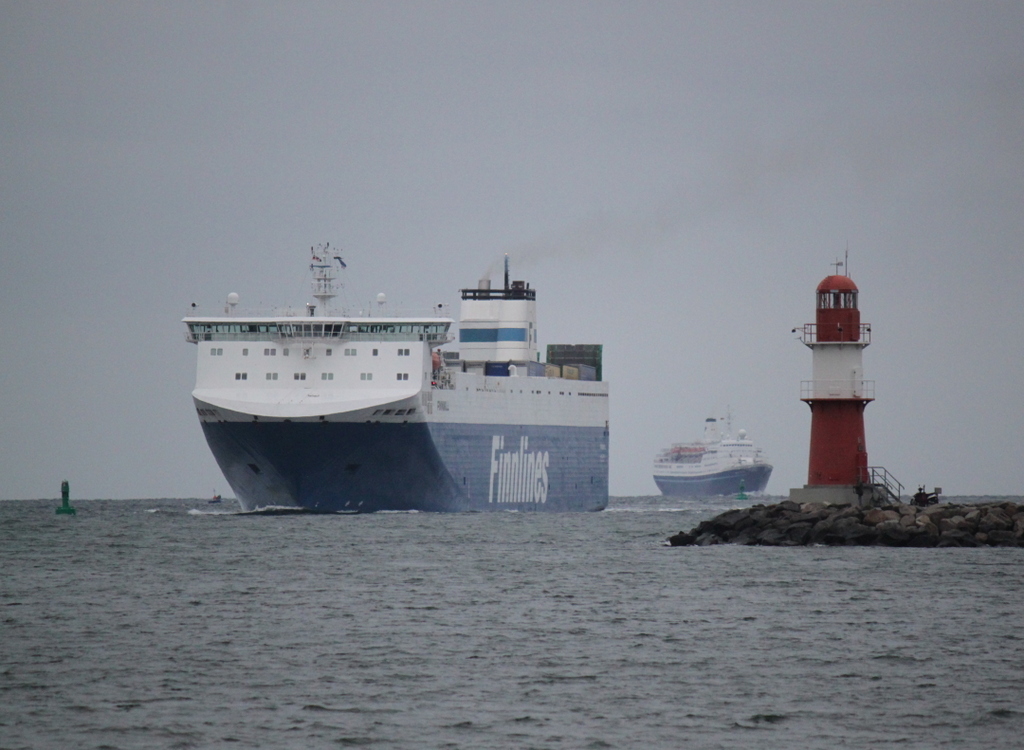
(748, 536)
(813, 507)
(1000, 538)
(957, 538)
(799, 533)
(681, 539)
(918, 536)
(875, 516)
(771, 537)
(995, 520)
(706, 539)
(954, 523)
(892, 533)
(732, 518)
(854, 532)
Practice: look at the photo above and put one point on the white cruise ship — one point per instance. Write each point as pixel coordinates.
(716, 465)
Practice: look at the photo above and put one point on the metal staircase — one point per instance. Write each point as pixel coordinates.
(883, 484)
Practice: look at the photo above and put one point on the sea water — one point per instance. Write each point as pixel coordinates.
(180, 624)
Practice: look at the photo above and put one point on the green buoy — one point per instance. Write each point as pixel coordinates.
(65, 509)
(743, 494)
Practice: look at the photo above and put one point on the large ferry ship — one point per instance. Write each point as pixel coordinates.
(371, 412)
(716, 465)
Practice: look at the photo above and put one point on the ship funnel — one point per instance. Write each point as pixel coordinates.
(711, 433)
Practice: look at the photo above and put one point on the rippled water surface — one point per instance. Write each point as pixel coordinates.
(162, 624)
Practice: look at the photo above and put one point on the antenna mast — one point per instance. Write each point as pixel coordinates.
(323, 275)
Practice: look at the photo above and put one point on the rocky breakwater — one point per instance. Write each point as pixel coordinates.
(791, 524)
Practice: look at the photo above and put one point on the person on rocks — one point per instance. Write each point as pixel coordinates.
(922, 498)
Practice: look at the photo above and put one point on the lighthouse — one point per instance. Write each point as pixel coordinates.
(838, 394)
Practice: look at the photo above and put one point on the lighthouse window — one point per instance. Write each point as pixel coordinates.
(327, 376)
(837, 300)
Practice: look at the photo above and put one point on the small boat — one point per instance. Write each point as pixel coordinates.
(216, 499)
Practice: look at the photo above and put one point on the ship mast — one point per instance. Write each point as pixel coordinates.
(323, 276)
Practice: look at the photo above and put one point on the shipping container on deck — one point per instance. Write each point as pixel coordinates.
(535, 369)
(577, 354)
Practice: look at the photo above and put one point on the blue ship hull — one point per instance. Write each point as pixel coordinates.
(753, 479)
(367, 467)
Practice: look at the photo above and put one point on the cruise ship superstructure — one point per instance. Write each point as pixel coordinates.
(363, 413)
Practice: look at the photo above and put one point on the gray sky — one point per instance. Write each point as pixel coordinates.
(673, 178)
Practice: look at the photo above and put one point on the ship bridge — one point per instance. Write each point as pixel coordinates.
(433, 331)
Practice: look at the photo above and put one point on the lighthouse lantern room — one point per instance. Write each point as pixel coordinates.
(837, 395)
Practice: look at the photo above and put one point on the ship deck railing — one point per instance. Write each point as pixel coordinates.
(436, 339)
(825, 389)
(809, 335)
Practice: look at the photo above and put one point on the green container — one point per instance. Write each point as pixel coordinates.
(576, 354)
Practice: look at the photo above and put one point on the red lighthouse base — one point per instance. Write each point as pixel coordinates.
(837, 469)
(838, 452)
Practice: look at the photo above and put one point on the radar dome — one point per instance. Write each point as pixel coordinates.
(382, 298)
(233, 298)
(742, 434)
